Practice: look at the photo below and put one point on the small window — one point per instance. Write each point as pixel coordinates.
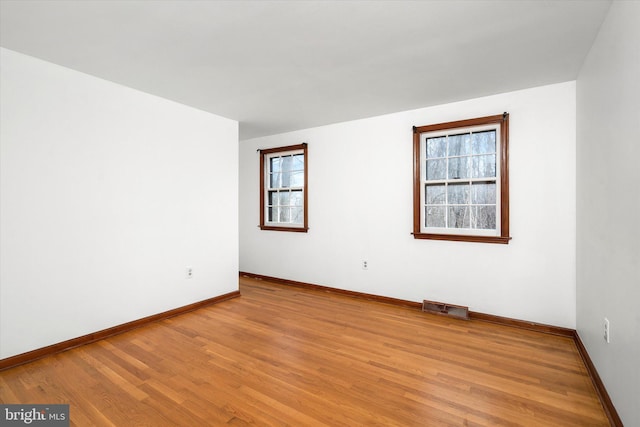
(283, 184)
(461, 180)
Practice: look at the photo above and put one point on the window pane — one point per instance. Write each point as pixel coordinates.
(460, 145)
(483, 193)
(458, 194)
(274, 180)
(435, 216)
(272, 198)
(484, 217)
(284, 198)
(275, 164)
(459, 217)
(435, 194)
(287, 163)
(285, 180)
(484, 142)
(459, 168)
(436, 169)
(296, 215)
(296, 198)
(283, 215)
(298, 162)
(272, 214)
(484, 166)
(297, 179)
(436, 147)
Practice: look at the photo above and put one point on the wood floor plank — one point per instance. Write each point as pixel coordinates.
(286, 356)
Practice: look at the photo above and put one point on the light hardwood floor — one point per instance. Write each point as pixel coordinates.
(281, 355)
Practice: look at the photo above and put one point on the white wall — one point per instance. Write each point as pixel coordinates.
(608, 202)
(107, 194)
(360, 207)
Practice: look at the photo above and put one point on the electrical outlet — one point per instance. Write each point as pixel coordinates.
(189, 272)
(607, 331)
(365, 265)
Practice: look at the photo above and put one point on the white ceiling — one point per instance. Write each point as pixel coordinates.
(278, 66)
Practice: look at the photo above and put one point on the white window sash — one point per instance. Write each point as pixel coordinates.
(447, 181)
(269, 189)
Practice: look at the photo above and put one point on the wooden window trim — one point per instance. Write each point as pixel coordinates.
(263, 154)
(503, 238)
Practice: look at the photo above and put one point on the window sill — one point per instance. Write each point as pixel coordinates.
(278, 228)
(463, 238)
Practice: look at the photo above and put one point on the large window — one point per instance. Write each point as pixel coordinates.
(283, 188)
(461, 180)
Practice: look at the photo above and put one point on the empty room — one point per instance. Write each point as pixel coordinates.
(319, 213)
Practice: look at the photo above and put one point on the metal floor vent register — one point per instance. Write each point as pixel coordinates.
(444, 309)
